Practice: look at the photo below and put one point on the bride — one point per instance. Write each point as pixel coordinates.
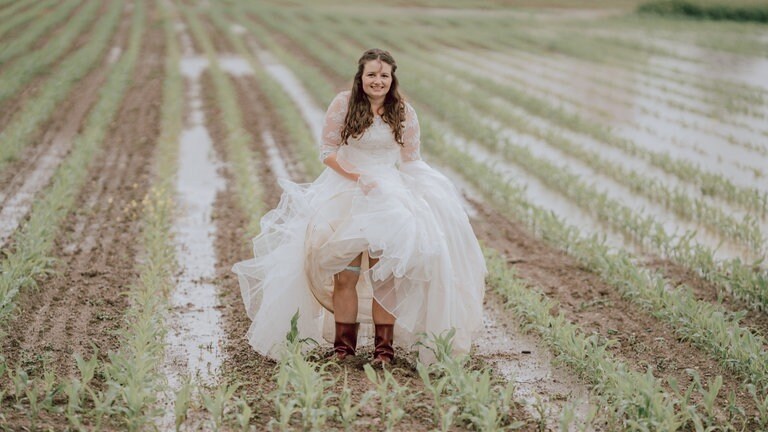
(378, 238)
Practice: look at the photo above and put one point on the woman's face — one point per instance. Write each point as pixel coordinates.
(377, 77)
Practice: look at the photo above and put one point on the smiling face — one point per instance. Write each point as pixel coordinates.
(377, 78)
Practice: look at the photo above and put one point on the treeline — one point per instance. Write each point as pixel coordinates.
(753, 13)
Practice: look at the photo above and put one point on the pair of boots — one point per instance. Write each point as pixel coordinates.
(345, 342)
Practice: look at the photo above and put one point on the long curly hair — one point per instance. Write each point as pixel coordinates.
(359, 116)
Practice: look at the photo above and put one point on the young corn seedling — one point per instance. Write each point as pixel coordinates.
(392, 396)
(243, 414)
(483, 403)
(183, 399)
(216, 404)
(20, 381)
(348, 409)
(303, 387)
(445, 407)
(709, 395)
(761, 402)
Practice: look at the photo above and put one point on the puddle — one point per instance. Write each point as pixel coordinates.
(17, 206)
(192, 68)
(114, 54)
(528, 363)
(537, 193)
(235, 65)
(195, 333)
(739, 69)
(275, 161)
(736, 163)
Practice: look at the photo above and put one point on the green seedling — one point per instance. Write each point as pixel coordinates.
(216, 404)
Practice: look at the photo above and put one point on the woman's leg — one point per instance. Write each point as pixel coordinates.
(345, 292)
(384, 325)
(380, 315)
(345, 309)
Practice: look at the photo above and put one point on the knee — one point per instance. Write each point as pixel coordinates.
(346, 280)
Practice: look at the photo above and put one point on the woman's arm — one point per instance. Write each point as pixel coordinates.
(411, 150)
(331, 141)
(334, 164)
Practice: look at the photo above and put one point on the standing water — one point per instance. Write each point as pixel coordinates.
(195, 329)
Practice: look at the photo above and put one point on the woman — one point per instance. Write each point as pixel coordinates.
(379, 237)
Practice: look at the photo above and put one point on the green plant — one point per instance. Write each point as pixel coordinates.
(216, 404)
(348, 409)
(392, 396)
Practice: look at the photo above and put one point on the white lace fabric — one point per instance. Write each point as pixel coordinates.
(334, 122)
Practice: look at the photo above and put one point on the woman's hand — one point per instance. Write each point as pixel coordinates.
(367, 185)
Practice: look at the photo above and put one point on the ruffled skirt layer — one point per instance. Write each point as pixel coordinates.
(430, 270)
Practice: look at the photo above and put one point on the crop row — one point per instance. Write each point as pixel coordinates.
(25, 123)
(705, 324)
(244, 160)
(11, 10)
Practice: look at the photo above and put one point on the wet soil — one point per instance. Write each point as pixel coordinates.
(37, 162)
(80, 307)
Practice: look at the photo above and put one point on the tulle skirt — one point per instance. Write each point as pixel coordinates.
(430, 271)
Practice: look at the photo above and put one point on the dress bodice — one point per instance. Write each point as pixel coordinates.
(376, 147)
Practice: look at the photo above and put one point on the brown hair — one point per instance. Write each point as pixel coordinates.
(359, 116)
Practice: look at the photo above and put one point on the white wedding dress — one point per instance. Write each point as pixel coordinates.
(430, 274)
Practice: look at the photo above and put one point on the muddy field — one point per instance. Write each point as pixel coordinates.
(614, 167)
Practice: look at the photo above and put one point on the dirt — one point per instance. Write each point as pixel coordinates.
(81, 306)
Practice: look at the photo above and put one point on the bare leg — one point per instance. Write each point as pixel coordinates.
(380, 315)
(345, 293)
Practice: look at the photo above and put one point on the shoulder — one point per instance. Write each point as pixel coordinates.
(410, 112)
(343, 96)
(340, 101)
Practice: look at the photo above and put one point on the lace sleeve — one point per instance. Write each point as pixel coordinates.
(411, 136)
(334, 121)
